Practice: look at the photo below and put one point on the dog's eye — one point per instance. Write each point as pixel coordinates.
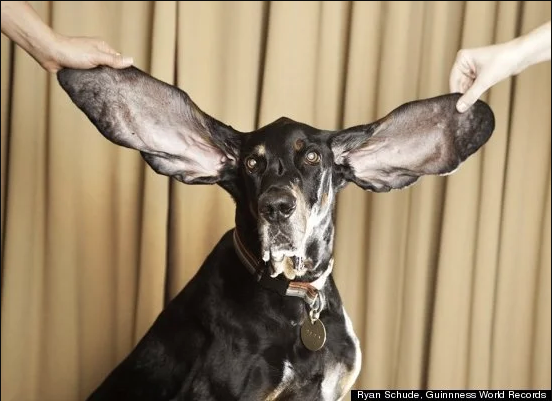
(251, 163)
(312, 157)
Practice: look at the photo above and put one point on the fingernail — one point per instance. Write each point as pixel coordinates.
(128, 60)
(461, 107)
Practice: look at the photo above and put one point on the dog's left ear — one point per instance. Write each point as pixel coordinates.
(418, 138)
(133, 109)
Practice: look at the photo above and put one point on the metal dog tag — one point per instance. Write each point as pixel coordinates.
(313, 334)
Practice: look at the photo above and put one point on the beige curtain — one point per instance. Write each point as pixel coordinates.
(447, 282)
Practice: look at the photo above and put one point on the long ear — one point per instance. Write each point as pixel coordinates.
(137, 111)
(418, 138)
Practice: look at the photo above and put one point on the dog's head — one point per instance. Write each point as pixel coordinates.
(283, 176)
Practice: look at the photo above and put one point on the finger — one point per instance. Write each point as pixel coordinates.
(459, 82)
(456, 80)
(463, 72)
(120, 61)
(115, 60)
(471, 95)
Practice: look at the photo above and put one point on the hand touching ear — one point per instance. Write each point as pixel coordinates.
(478, 69)
(82, 53)
(51, 50)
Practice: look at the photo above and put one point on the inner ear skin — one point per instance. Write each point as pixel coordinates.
(424, 137)
(133, 109)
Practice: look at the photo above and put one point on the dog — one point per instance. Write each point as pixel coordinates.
(262, 318)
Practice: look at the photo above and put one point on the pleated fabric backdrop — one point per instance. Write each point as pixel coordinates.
(447, 282)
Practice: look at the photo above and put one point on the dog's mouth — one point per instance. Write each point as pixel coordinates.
(283, 249)
(289, 264)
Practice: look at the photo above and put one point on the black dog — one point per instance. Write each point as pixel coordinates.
(262, 319)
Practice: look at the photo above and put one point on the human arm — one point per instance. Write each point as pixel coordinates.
(475, 70)
(52, 50)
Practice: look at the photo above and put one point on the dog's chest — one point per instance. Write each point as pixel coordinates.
(330, 378)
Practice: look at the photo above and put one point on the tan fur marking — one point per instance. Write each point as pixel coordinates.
(324, 199)
(260, 150)
(289, 268)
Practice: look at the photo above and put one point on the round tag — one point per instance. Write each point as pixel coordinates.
(313, 335)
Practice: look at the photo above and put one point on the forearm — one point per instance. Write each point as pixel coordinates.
(23, 25)
(533, 47)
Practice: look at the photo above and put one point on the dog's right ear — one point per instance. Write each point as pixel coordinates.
(138, 111)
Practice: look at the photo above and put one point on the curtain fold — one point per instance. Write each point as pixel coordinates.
(447, 282)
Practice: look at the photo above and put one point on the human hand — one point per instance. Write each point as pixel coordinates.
(52, 50)
(476, 70)
(81, 53)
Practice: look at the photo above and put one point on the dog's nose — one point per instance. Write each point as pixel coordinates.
(277, 204)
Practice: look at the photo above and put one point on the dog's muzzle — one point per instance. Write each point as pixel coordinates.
(276, 205)
(282, 229)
